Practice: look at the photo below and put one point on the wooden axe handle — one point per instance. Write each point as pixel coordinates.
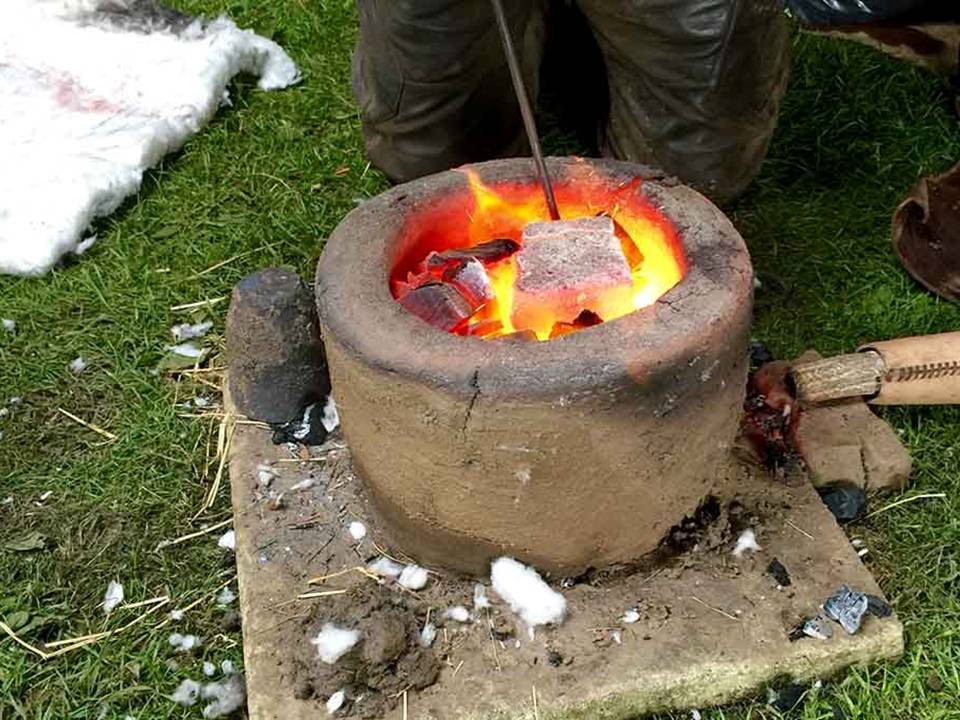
(920, 370)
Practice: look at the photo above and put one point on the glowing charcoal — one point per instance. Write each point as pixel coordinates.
(489, 252)
(567, 267)
(438, 304)
(471, 279)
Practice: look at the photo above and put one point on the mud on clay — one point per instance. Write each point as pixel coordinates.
(387, 660)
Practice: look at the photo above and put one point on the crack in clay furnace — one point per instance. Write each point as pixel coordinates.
(475, 384)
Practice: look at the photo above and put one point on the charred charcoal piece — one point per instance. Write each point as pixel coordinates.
(817, 628)
(488, 252)
(759, 355)
(274, 351)
(847, 607)
(585, 319)
(308, 430)
(566, 266)
(438, 304)
(787, 697)
(471, 279)
(554, 658)
(878, 607)
(779, 572)
(846, 502)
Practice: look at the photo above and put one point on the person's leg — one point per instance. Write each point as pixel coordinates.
(695, 85)
(433, 85)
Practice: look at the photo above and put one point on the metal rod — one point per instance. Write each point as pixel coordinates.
(526, 112)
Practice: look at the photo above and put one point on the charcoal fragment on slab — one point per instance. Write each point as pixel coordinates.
(786, 698)
(779, 572)
(878, 607)
(846, 502)
(274, 351)
(554, 659)
(439, 304)
(847, 607)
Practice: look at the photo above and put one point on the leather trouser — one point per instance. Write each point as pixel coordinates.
(694, 86)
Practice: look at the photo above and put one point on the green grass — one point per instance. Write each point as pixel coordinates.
(857, 130)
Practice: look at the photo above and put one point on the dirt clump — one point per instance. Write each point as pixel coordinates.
(386, 660)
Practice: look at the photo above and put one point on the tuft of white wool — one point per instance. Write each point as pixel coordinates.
(176, 615)
(695, 715)
(184, 643)
(331, 418)
(45, 495)
(186, 331)
(113, 596)
(186, 693)
(265, 476)
(4, 412)
(15, 400)
(226, 597)
(358, 531)
(747, 542)
(458, 613)
(335, 701)
(188, 350)
(305, 484)
(526, 593)
(228, 696)
(228, 541)
(77, 365)
(480, 599)
(413, 577)
(630, 616)
(333, 642)
(226, 667)
(428, 635)
(9, 325)
(385, 566)
(209, 669)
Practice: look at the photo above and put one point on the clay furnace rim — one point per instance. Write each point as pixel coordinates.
(356, 306)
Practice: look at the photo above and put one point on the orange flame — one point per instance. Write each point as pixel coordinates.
(485, 212)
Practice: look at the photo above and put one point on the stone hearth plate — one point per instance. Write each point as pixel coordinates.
(712, 629)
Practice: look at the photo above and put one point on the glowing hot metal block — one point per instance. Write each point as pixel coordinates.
(567, 267)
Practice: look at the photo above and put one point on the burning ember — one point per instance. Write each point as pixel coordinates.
(488, 263)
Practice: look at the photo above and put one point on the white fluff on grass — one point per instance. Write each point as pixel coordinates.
(526, 593)
(480, 599)
(186, 693)
(226, 667)
(184, 643)
(331, 418)
(385, 566)
(78, 365)
(9, 325)
(113, 596)
(176, 615)
(186, 331)
(226, 597)
(228, 696)
(747, 542)
(45, 495)
(458, 613)
(187, 350)
(335, 701)
(428, 635)
(209, 669)
(228, 541)
(413, 577)
(334, 642)
(358, 531)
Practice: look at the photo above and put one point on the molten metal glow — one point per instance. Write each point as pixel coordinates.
(650, 241)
